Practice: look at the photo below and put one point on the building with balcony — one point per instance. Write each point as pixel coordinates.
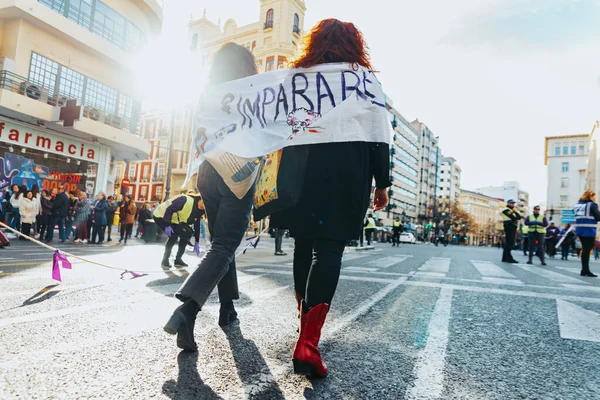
(273, 39)
(509, 190)
(485, 211)
(404, 170)
(148, 178)
(52, 51)
(566, 160)
(449, 180)
(430, 158)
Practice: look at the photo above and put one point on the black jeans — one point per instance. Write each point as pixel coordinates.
(162, 224)
(525, 245)
(587, 243)
(228, 219)
(126, 230)
(44, 223)
(98, 231)
(56, 220)
(279, 239)
(317, 264)
(510, 231)
(369, 233)
(565, 250)
(536, 245)
(396, 238)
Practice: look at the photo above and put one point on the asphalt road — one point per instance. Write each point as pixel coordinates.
(415, 322)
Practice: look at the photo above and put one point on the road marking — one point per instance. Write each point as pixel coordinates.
(386, 262)
(430, 274)
(431, 361)
(501, 281)
(580, 287)
(489, 269)
(438, 265)
(577, 323)
(571, 270)
(342, 276)
(361, 269)
(553, 276)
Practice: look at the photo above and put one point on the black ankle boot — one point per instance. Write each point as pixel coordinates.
(182, 323)
(227, 314)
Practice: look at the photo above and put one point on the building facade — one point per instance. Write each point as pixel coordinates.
(404, 170)
(592, 173)
(449, 180)
(55, 51)
(566, 159)
(509, 190)
(273, 39)
(430, 158)
(485, 211)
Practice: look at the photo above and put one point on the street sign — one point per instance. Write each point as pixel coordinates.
(125, 182)
(567, 217)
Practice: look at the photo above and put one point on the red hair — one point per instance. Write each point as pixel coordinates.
(332, 41)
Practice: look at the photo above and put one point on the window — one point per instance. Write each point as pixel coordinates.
(565, 167)
(80, 11)
(56, 5)
(573, 150)
(581, 149)
(131, 171)
(109, 24)
(564, 183)
(270, 64)
(159, 191)
(269, 19)
(564, 200)
(281, 62)
(565, 150)
(194, 44)
(143, 192)
(101, 96)
(146, 172)
(71, 83)
(557, 150)
(118, 171)
(296, 24)
(161, 170)
(43, 71)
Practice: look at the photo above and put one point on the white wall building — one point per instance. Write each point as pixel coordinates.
(566, 159)
(509, 190)
(449, 180)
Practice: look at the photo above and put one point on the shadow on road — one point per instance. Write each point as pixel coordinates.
(189, 385)
(44, 294)
(252, 369)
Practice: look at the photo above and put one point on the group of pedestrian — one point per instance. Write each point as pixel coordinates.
(321, 222)
(541, 237)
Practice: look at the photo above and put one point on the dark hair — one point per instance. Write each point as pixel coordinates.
(332, 41)
(45, 191)
(35, 189)
(27, 192)
(12, 187)
(22, 190)
(231, 62)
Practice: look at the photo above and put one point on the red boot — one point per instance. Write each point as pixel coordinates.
(307, 358)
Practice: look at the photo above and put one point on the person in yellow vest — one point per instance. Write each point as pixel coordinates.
(537, 224)
(525, 236)
(397, 230)
(176, 217)
(369, 228)
(511, 218)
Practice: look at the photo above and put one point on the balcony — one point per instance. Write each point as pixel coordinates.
(36, 103)
(158, 178)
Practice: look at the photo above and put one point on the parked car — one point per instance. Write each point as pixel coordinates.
(407, 237)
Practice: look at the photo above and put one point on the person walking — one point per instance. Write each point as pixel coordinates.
(127, 212)
(27, 209)
(279, 232)
(552, 234)
(334, 199)
(370, 228)
(510, 218)
(525, 237)
(567, 236)
(82, 212)
(100, 206)
(179, 217)
(60, 208)
(110, 216)
(228, 217)
(396, 231)
(14, 202)
(537, 224)
(587, 216)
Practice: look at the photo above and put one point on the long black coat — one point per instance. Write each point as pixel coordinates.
(60, 208)
(336, 192)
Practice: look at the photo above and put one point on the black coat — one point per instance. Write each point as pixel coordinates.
(60, 208)
(336, 192)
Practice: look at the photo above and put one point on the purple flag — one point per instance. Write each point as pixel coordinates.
(59, 260)
(133, 274)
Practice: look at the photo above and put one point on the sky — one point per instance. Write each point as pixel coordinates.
(491, 78)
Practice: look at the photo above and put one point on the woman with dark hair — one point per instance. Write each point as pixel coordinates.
(334, 199)
(27, 210)
(14, 206)
(10, 211)
(228, 218)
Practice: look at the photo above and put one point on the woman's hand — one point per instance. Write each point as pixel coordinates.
(380, 200)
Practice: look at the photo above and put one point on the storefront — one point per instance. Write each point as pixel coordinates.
(31, 155)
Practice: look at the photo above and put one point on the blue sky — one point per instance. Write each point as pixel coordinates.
(492, 78)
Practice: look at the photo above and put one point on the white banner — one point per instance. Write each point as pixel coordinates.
(239, 122)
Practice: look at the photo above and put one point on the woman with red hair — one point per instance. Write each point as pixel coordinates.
(335, 197)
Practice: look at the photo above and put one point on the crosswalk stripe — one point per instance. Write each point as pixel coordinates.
(437, 265)
(553, 276)
(502, 281)
(361, 269)
(489, 269)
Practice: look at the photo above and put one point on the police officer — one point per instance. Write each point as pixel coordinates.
(397, 230)
(537, 224)
(174, 217)
(525, 236)
(511, 218)
(369, 228)
(586, 217)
